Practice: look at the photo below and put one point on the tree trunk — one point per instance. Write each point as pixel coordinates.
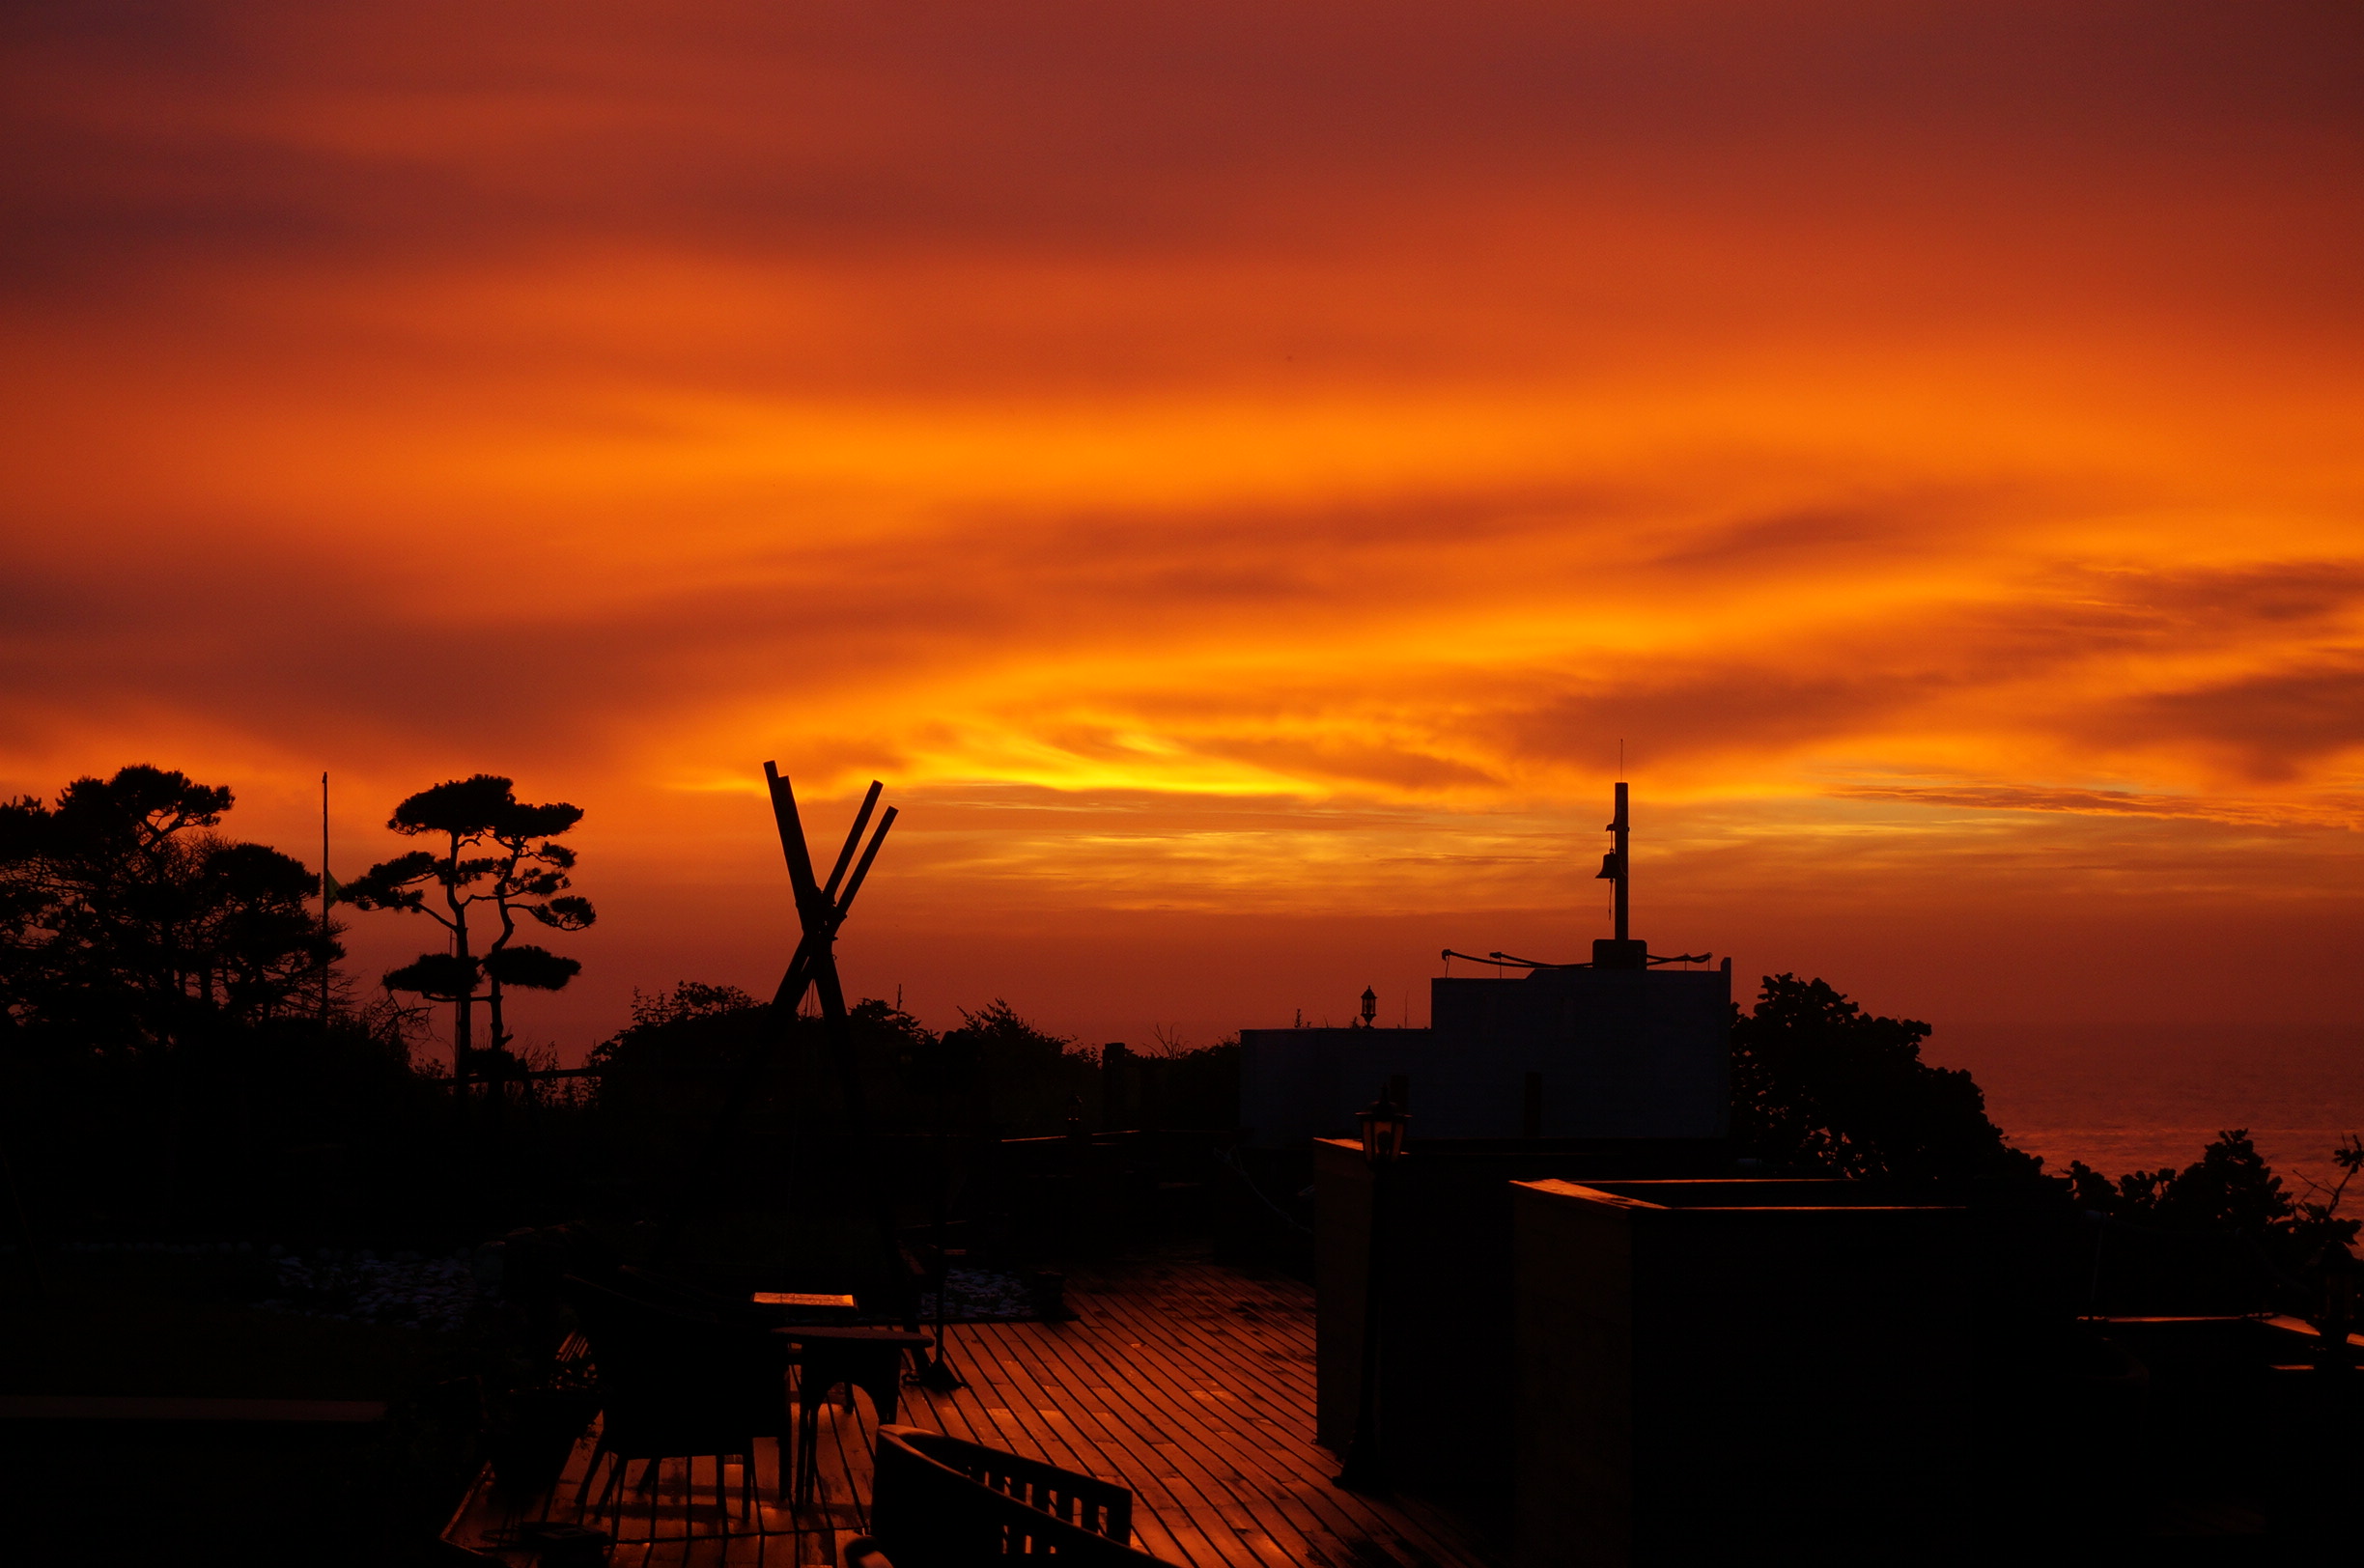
(464, 1007)
(463, 1034)
(496, 1065)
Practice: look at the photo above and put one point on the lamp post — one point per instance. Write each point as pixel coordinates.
(1370, 1007)
(1383, 1126)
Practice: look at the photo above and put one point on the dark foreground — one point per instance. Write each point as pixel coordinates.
(1189, 1382)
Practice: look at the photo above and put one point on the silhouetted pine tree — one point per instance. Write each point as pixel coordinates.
(128, 924)
(498, 859)
(1820, 1086)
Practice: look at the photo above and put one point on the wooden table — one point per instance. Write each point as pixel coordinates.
(805, 1301)
(867, 1358)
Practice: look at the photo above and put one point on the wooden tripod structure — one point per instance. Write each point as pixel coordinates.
(822, 908)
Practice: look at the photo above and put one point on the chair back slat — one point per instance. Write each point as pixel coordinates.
(938, 1498)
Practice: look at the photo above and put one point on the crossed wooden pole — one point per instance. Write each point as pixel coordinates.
(822, 908)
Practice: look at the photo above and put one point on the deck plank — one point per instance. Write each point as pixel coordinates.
(1186, 1381)
(1209, 1474)
(1210, 1357)
(1133, 1451)
(1330, 1519)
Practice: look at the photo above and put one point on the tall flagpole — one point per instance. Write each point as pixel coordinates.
(324, 1002)
(1622, 830)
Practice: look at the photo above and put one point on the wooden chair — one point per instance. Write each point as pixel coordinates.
(676, 1384)
(941, 1503)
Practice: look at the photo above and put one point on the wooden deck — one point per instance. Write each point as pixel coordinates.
(1189, 1382)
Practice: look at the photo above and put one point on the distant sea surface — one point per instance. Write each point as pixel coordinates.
(2135, 1097)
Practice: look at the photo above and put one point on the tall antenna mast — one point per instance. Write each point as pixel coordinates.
(1620, 951)
(324, 896)
(1624, 865)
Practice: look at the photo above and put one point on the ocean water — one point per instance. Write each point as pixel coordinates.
(2127, 1097)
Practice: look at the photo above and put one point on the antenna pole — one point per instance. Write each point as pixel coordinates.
(323, 900)
(1625, 868)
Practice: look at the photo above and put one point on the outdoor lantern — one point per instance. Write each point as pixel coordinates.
(1370, 1006)
(1383, 1124)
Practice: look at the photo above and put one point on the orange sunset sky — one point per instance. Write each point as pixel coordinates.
(1237, 472)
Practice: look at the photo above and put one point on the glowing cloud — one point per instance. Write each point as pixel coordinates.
(1259, 464)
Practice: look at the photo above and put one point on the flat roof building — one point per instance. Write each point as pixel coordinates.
(1626, 1046)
